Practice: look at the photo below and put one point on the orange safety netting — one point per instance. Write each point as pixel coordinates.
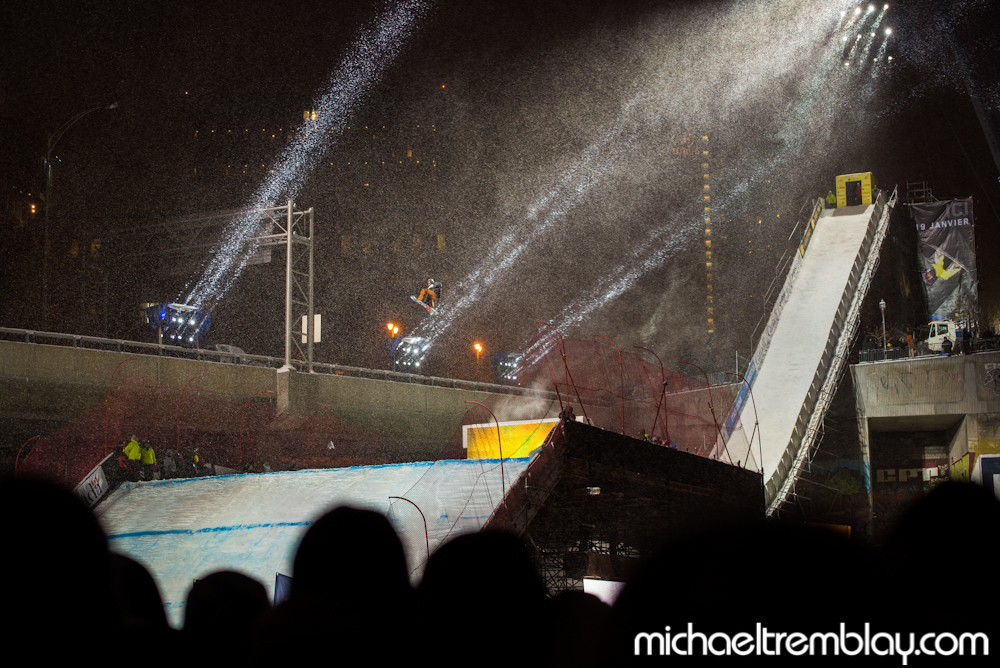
(623, 391)
(227, 434)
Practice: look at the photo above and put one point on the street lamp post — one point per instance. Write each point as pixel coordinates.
(51, 144)
(393, 344)
(881, 306)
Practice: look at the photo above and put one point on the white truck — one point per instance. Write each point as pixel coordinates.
(938, 331)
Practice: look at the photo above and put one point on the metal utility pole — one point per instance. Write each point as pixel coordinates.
(881, 306)
(295, 233)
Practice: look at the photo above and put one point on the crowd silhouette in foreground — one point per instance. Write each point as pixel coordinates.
(481, 600)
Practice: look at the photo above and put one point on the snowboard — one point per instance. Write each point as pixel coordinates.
(430, 309)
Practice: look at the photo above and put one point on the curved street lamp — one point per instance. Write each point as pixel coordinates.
(503, 493)
(51, 144)
(663, 391)
(569, 376)
(711, 406)
(756, 420)
(621, 372)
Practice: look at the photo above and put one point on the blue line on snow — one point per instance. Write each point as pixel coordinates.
(191, 532)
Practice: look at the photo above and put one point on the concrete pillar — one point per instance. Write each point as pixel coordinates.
(964, 437)
(864, 440)
(283, 388)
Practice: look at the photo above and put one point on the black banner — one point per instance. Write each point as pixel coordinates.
(947, 256)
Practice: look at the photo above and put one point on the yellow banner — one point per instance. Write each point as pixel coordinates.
(517, 439)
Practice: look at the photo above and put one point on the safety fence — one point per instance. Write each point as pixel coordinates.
(194, 432)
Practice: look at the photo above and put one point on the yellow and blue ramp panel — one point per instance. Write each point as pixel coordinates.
(518, 438)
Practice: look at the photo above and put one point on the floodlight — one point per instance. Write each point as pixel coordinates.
(506, 366)
(180, 323)
(888, 31)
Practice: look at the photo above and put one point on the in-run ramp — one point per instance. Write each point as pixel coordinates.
(182, 530)
(804, 348)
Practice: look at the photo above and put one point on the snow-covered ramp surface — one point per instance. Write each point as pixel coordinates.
(182, 530)
(800, 338)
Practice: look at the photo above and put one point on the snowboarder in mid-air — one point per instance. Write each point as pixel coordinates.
(429, 296)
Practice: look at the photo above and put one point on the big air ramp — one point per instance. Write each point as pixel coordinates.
(182, 530)
(807, 340)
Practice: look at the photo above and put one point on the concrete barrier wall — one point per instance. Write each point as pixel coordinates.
(44, 387)
(957, 385)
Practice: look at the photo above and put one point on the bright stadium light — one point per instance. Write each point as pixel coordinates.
(857, 11)
(182, 323)
(888, 31)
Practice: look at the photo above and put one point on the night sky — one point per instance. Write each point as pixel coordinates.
(523, 151)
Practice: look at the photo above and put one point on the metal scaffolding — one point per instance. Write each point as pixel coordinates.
(295, 233)
(181, 244)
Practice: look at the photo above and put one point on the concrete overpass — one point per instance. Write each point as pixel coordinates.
(48, 380)
(957, 396)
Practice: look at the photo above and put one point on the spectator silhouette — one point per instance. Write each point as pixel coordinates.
(221, 613)
(480, 589)
(581, 631)
(351, 596)
(728, 578)
(942, 540)
(137, 598)
(56, 563)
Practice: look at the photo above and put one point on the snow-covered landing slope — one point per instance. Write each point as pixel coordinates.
(804, 327)
(182, 530)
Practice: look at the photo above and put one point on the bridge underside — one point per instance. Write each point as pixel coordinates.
(922, 421)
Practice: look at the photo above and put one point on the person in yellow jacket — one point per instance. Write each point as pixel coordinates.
(130, 459)
(148, 461)
(133, 450)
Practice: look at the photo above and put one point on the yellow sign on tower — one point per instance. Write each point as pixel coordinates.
(854, 189)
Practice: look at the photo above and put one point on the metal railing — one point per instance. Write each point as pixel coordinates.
(228, 357)
(882, 354)
(774, 314)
